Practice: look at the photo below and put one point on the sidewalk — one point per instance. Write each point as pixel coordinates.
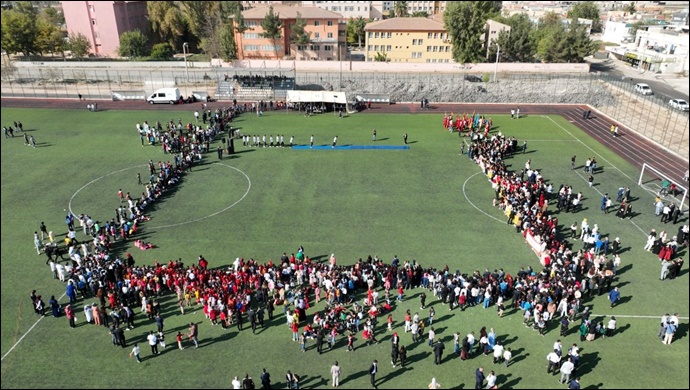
(675, 81)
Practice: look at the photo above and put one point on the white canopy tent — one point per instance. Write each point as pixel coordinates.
(316, 97)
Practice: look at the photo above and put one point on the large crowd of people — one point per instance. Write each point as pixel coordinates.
(554, 293)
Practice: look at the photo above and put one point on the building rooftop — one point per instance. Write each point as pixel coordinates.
(288, 12)
(405, 24)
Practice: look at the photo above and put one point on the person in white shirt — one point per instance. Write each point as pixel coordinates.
(498, 352)
(566, 369)
(470, 341)
(491, 380)
(432, 335)
(335, 142)
(507, 355)
(553, 359)
(335, 374)
(236, 384)
(662, 329)
(611, 326)
(136, 351)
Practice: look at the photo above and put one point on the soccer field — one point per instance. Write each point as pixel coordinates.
(427, 203)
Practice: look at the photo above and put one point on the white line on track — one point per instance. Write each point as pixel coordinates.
(27, 332)
(587, 146)
(470, 202)
(627, 316)
(249, 187)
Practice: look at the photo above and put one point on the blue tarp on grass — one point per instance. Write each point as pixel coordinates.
(352, 147)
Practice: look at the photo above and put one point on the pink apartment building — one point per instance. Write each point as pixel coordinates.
(102, 22)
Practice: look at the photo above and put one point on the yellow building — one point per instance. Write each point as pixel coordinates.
(408, 40)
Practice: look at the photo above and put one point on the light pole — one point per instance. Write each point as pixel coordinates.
(184, 53)
(644, 51)
(498, 52)
(340, 57)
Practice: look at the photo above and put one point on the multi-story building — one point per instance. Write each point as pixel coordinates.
(348, 9)
(102, 22)
(660, 49)
(328, 35)
(491, 32)
(617, 32)
(408, 40)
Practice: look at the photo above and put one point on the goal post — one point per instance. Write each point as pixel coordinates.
(659, 184)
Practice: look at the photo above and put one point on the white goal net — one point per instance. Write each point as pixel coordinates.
(659, 184)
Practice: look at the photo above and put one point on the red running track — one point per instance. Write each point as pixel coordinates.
(633, 147)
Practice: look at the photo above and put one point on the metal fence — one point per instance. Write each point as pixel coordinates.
(650, 116)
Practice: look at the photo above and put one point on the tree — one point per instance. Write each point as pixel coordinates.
(162, 51)
(587, 10)
(79, 45)
(355, 30)
(566, 45)
(420, 14)
(53, 16)
(273, 28)
(517, 45)
(228, 45)
(49, 37)
(630, 8)
(465, 23)
(381, 57)
(132, 44)
(18, 32)
(299, 35)
(400, 9)
(636, 26)
(167, 20)
(240, 26)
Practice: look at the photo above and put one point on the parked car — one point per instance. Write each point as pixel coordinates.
(643, 89)
(678, 104)
(473, 79)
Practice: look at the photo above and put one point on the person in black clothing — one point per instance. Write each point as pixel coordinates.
(251, 315)
(260, 316)
(247, 382)
(265, 380)
(239, 319)
(402, 354)
(438, 351)
(422, 298)
(319, 341)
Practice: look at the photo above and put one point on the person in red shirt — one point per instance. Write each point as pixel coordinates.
(400, 293)
(179, 340)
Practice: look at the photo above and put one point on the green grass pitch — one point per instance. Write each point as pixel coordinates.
(427, 203)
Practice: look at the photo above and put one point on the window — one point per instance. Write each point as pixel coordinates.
(251, 36)
(330, 35)
(416, 54)
(317, 23)
(376, 47)
(317, 35)
(389, 35)
(91, 8)
(335, 8)
(429, 35)
(446, 60)
(414, 42)
(251, 23)
(376, 34)
(328, 48)
(388, 48)
(421, 41)
(251, 47)
(428, 49)
(301, 47)
(329, 23)
(314, 47)
(447, 49)
(350, 8)
(371, 34)
(271, 48)
(369, 48)
(435, 49)
(434, 60)
(428, 60)
(435, 35)
(93, 21)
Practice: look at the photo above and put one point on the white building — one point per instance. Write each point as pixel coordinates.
(349, 9)
(658, 49)
(617, 32)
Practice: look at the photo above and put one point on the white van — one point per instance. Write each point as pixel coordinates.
(643, 89)
(165, 95)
